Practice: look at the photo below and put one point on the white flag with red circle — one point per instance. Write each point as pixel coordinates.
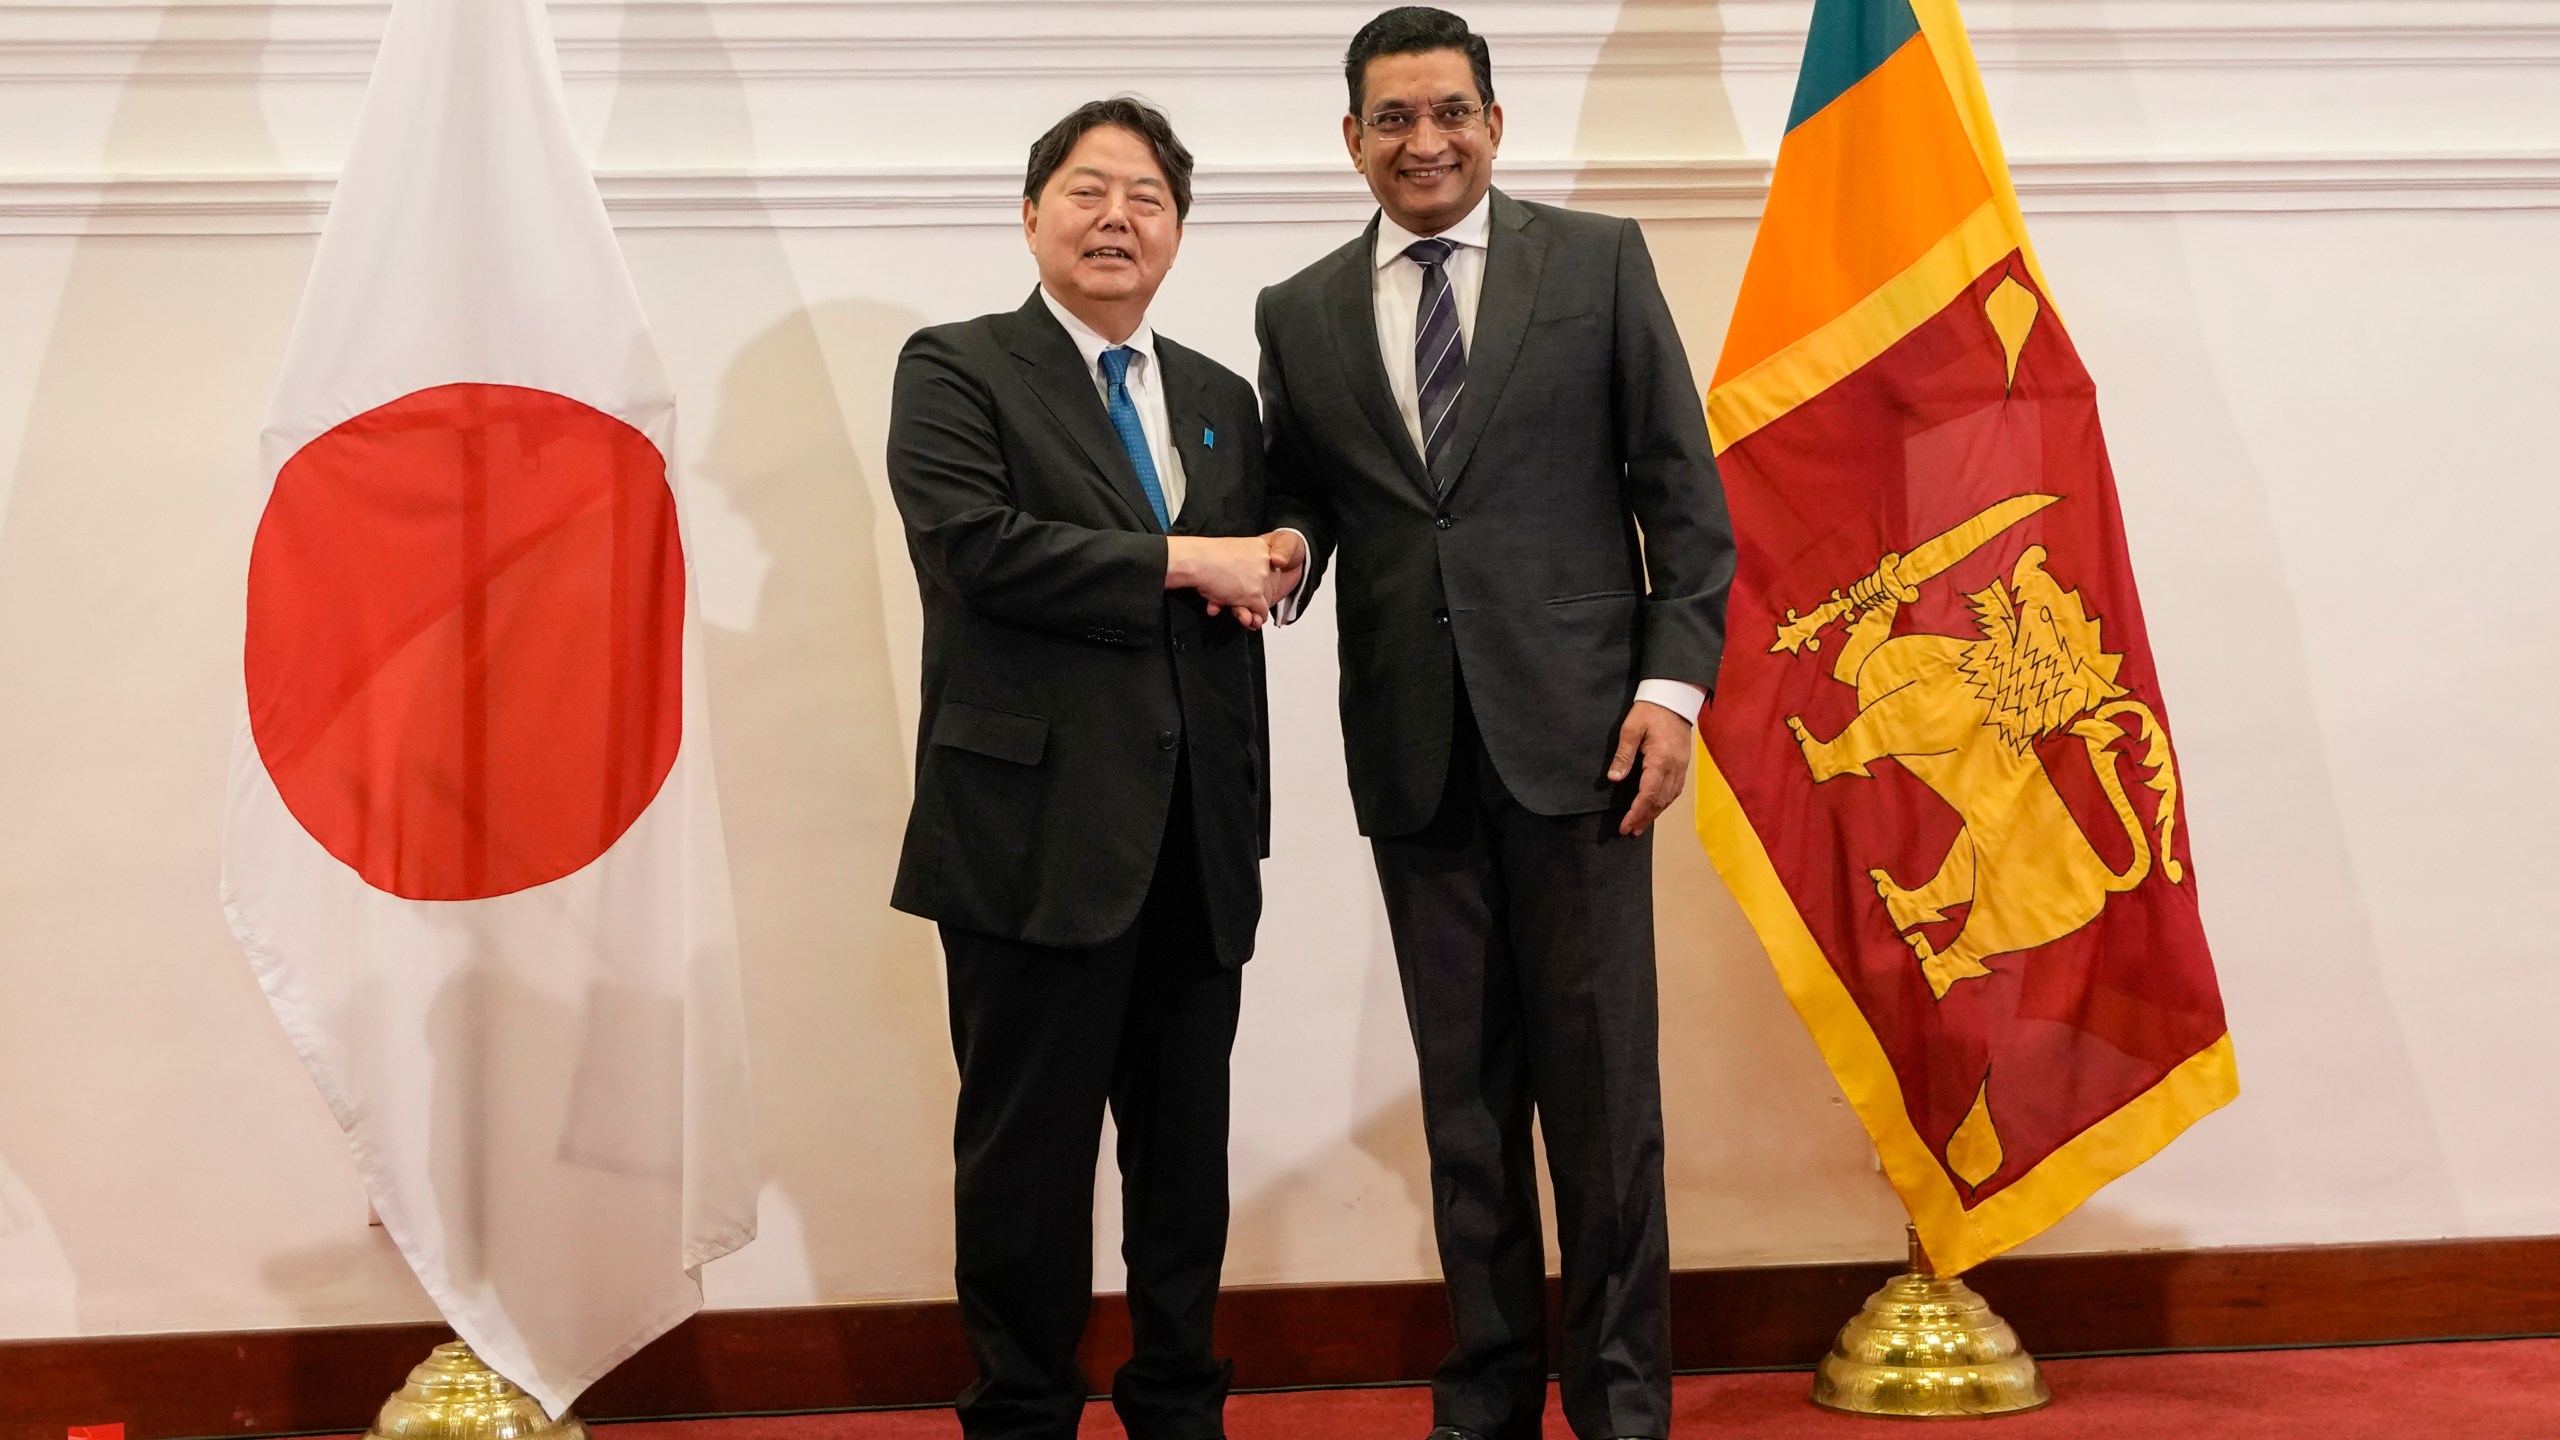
(474, 848)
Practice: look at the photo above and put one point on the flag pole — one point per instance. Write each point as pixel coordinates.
(1927, 1346)
(453, 1396)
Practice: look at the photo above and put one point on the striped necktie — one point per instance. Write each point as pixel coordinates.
(1133, 436)
(1439, 352)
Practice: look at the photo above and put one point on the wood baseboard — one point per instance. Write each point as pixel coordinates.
(830, 1357)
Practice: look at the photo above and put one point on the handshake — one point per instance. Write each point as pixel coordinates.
(1247, 574)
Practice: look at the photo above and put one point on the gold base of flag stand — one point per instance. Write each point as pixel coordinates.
(452, 1396)
(1927, 1348)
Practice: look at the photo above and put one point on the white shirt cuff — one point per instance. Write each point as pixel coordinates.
(1287, 610)
(1677, 696)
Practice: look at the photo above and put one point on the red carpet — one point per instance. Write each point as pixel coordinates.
(2493, 1390)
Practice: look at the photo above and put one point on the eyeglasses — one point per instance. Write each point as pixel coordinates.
(1454, 117)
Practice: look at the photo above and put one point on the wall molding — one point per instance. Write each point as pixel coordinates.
(332, 41)
(876, 198)
(853, 1356)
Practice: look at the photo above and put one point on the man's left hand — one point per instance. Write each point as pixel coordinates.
(1660, 739)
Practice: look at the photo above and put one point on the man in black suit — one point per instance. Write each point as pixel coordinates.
(1482, 407)
(1080, 497)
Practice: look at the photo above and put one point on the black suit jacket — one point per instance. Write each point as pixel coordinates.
(1062, 681)
(1579, 545)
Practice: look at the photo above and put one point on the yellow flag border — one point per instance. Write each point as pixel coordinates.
(1957, 1239)
(1953, 49)
(1742, 405)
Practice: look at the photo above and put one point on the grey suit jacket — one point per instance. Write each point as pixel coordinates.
(1576, 543)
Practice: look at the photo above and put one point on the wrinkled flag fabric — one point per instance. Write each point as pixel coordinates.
(473, 848)
(1938, 774)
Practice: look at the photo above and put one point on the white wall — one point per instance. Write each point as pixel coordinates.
(2305, 246)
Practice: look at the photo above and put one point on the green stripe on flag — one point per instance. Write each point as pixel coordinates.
(1850, 38)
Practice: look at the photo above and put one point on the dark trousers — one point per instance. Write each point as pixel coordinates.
(1525, 943)
(1046, 1038)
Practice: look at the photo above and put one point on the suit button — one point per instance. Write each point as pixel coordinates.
(1440, 615)
(1444, 521)
(1177, 646)
(1166, 739)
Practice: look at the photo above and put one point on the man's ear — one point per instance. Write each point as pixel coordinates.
(1030, 224)
(1493, 126)
(1351, 139)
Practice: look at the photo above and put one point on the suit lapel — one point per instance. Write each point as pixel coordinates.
(1514, 257)
(1351, 303)
(1055, 371)
(1186, 409)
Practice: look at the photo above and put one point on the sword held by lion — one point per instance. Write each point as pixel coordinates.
(1963, 714)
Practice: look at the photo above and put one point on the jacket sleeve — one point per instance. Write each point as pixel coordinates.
(950, 475)
(1670, 479)
(1296, 497)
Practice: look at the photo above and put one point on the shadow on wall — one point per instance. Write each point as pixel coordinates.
(854, 1081)
(844, 995)
(39, 1293)
(134, 1043)
(2318, 1141)
(1750, 1115)
(1638, 107)
(1289, 1225)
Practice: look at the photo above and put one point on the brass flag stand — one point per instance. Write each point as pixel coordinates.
(452, 1396)
(1928, 1348)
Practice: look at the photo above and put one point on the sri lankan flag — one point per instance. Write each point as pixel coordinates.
(1938, 773)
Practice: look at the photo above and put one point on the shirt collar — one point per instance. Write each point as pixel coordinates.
(1089, 341)
(1471, 231)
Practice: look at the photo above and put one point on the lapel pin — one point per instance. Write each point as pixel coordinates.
(1209, 438)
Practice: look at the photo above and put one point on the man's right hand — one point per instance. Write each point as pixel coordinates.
(1288, 565)
(1230, 572)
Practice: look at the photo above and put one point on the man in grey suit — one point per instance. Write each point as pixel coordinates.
(1483, 410)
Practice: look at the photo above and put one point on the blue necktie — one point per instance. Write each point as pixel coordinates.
(1133, 436)
(1439, 353)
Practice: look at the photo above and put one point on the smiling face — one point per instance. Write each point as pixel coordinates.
(1104, 230)
(1428, 178)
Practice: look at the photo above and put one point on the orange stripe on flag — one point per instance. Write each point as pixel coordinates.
(1864, 189)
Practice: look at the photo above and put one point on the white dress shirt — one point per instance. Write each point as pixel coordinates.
(1146, 391)
(1396, 290)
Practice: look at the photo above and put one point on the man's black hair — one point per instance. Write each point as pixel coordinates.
(1129, 113)
(1414, 30)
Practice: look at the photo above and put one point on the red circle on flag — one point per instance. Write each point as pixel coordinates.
(466, 638)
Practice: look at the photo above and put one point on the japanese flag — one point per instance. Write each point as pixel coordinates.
(473, 848)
